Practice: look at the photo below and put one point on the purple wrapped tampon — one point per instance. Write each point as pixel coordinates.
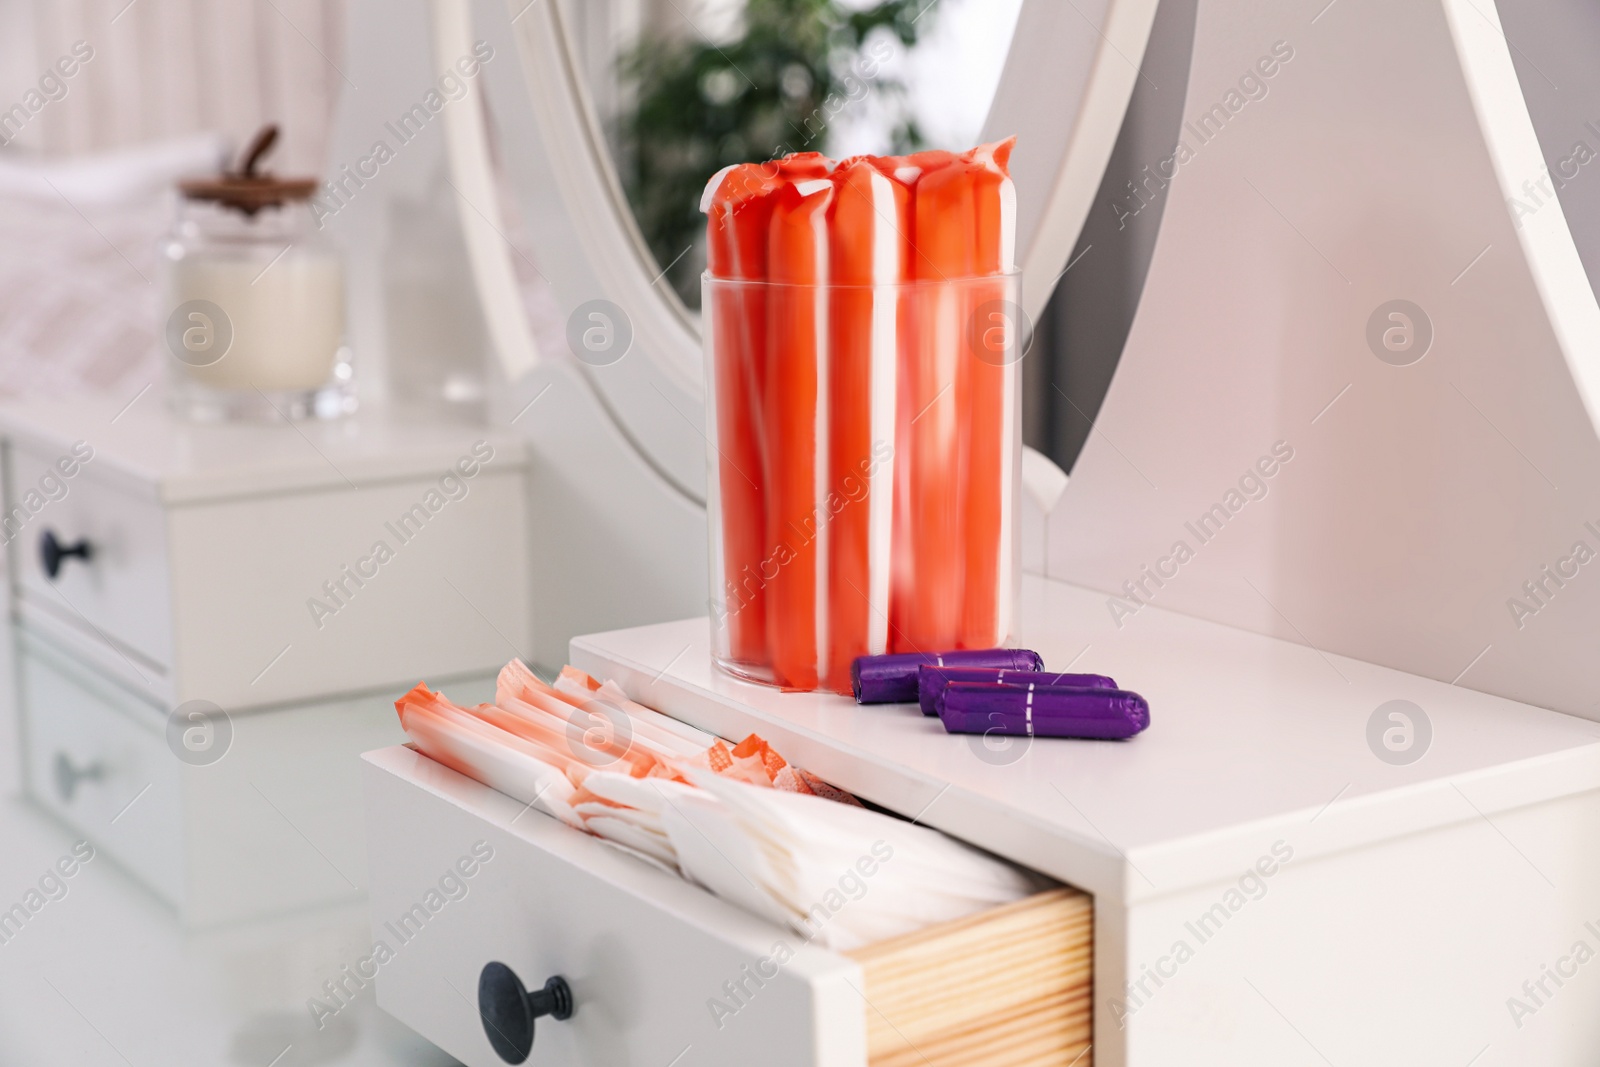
(931, 680)
(1043, 711)
(892, 679)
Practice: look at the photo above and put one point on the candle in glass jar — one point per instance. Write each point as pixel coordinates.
(254, 309)
(286, 317)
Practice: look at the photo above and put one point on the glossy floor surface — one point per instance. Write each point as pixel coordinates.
(103, 974)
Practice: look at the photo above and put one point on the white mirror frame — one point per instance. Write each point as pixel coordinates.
(580, 226)
(1080, 59)
(1064, 93)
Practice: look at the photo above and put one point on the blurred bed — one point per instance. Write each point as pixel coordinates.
(103, 105)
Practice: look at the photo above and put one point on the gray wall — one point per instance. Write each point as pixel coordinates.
(1555, 45)
(1079, 338)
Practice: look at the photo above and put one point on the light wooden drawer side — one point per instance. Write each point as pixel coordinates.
(1006, 988)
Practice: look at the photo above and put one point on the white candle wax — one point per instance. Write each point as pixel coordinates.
(287, 319)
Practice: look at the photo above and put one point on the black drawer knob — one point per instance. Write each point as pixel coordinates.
(52, 552)
(68, 776)
(508, 1009)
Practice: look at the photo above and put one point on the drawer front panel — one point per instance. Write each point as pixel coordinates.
(120, 594)
(647, 956)
(347, 591)
(98, 759)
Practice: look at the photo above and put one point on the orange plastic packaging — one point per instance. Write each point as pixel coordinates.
(796, 416)
(534, 742)
(990, 396)
(738, 203)
(868, 228)
(928, 607)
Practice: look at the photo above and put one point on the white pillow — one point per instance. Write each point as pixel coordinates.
(80, 267)
(118, 176)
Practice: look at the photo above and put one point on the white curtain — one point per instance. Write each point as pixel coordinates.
(164, 68)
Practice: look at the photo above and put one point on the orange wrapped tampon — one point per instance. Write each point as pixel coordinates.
(867, 226)
(738, 203)
(990, 411)
(795, 409)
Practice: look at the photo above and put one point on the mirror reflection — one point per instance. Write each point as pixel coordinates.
(684, 88)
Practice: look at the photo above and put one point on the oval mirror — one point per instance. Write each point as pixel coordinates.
(683, 89)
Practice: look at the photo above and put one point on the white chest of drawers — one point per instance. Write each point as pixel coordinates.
(1267, 888)
(295, 577)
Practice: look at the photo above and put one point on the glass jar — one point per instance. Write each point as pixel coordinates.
(864, 471)
(254, 303)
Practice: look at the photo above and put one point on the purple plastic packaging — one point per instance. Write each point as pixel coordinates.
(931, 680)
(1043, 711)
(892, 679)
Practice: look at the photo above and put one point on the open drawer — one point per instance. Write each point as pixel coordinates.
(662, 973)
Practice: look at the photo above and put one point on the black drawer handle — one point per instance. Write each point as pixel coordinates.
(68, 776)
(52, 552)
(508, 1009)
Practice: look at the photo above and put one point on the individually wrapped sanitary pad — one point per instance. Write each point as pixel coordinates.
(737, 819)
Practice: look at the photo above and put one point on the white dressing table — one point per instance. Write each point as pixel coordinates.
(1371, 911)
(1402, 905)
(203, 551)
